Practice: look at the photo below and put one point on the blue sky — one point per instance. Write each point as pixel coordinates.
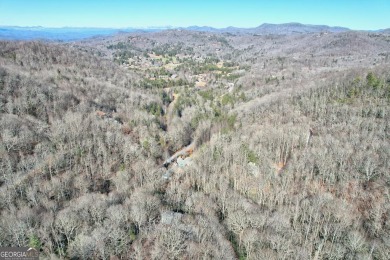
(355, 14)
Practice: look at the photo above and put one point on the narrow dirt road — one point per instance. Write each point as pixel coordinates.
(185, 151)
(170, 110)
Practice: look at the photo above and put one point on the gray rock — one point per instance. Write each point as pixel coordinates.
(183, 162)
(171, 218)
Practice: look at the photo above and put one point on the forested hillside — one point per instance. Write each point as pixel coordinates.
(197, 145)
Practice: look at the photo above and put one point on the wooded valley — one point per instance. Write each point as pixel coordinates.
(197, 145)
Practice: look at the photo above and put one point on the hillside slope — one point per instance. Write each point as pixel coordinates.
(277, 146)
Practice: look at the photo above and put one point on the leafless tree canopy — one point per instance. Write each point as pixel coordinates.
(197, 145)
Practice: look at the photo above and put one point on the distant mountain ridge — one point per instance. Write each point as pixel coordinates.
(385, 31)
(267, 28)
(288, 28)
(79, 33)
(59, 34)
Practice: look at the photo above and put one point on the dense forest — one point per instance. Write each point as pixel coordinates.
(197, 145)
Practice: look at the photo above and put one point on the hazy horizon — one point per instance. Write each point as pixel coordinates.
(162, 26)
(362, 15)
